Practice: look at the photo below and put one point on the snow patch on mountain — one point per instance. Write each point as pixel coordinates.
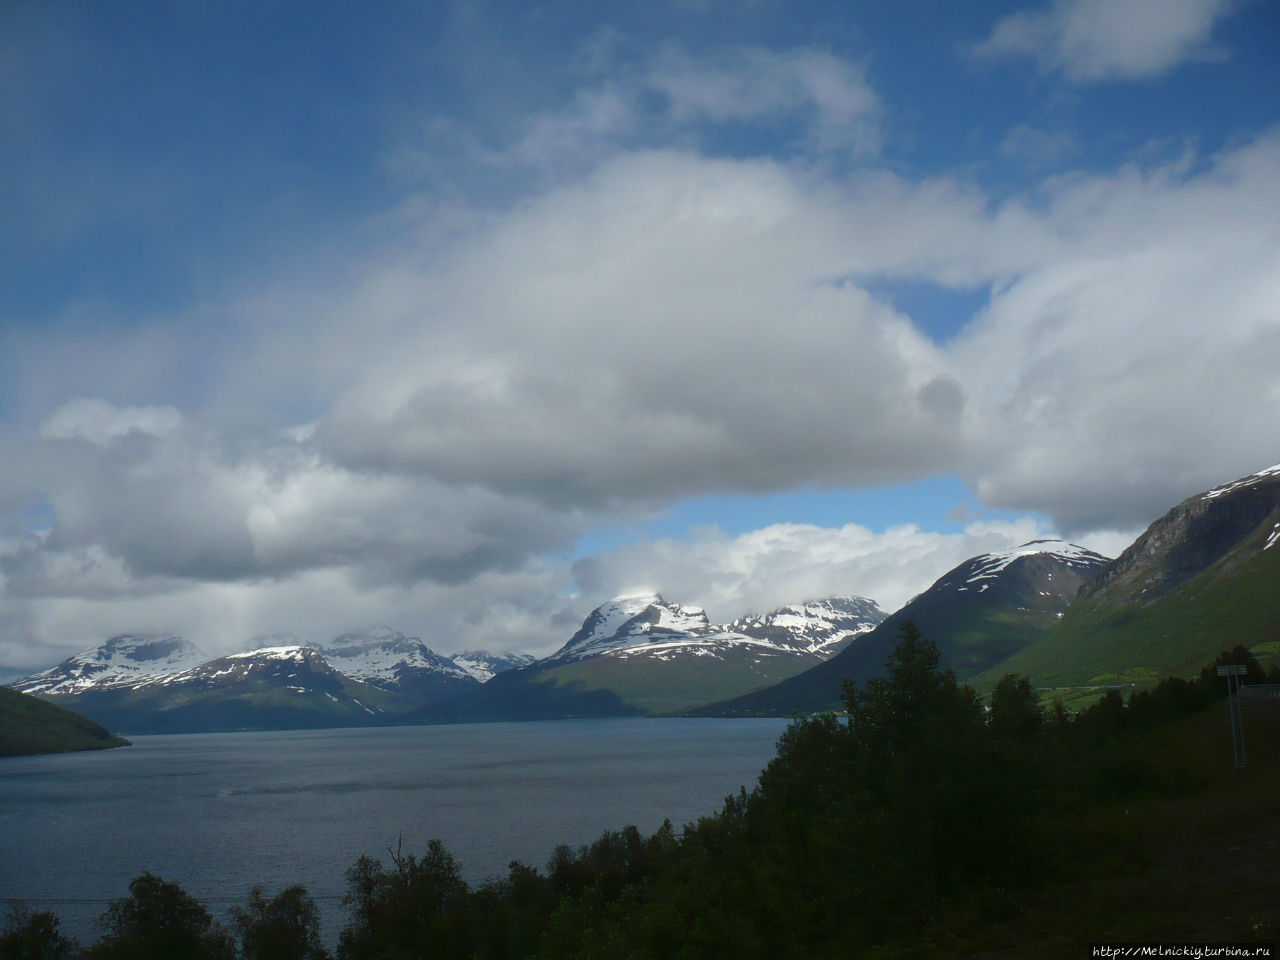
(484, 666)
(988, 565)
(1242, 482)
(1272, 537)
(819, 626)
(382, 655)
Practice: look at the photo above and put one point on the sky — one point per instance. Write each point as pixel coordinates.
(463, 317)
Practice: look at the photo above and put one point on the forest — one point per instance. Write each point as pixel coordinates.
(919, 821)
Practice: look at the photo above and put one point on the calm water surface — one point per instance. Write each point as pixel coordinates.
(219, 813)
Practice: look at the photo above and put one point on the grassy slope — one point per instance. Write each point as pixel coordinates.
(1099, 643)
(29, 725)
(661, 687)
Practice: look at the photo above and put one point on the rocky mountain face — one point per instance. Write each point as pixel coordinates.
(979, 613)
(1233, 521)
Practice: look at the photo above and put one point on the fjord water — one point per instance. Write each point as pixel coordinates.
(219, 813)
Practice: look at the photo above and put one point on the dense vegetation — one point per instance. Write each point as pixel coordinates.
(29, 725)
(920, 822)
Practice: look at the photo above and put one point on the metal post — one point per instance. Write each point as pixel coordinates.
(1233, 672)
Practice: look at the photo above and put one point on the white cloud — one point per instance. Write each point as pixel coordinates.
(1138, 365)
(525, 610)
(1094, 40)
(671, 326)
(99, 422)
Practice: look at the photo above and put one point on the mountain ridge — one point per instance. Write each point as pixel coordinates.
(979, 612)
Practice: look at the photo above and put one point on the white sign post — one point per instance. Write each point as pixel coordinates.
(1233, 672)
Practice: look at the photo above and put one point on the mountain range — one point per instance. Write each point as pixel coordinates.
(643, 654)
(165, 684)
(1201, 579)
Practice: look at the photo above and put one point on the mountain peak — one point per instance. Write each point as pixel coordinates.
(629, 621)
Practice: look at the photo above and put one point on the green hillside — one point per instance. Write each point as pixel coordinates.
(671, 686)
(29, 725)
(1105, 640)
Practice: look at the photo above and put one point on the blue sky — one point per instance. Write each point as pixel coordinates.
(463, 316)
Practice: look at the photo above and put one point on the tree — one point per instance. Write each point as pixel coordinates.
(398, 912)
(286, 927)
(921, 737)
(159, 920)
(33, 936)
(1016, 714)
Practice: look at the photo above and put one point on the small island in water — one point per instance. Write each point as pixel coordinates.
(29, 725)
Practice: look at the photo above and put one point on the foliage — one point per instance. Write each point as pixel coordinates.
(159, 921)
(286, 927)
(31, 935)
(395, 912)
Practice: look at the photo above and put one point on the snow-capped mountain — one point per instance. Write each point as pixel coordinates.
(119, 662)
(647, 625)
(270, 688)
(165, 684)
(633, 621)
(388, 659)
(643, 654)
(1039, 559)
(823, 627)
(484, 666)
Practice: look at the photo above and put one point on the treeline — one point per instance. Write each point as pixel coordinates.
(920, 799)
